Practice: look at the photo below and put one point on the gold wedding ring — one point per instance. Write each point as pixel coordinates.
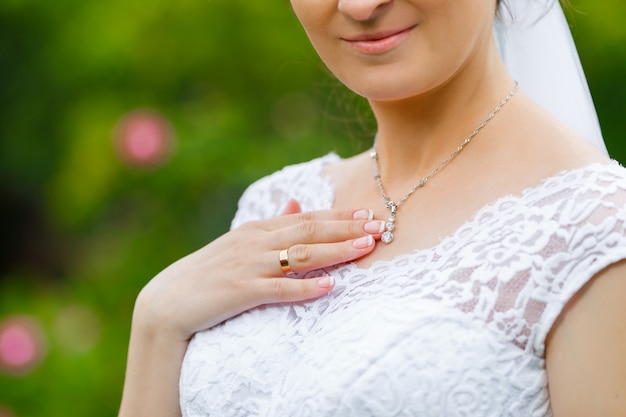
(283, 257)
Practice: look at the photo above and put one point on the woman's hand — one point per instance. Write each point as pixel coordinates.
(241, 269)
(236, 272)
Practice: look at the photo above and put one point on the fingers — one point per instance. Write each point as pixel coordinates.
(313, 245)
(307, 257)
(292, 207)
(320, 239)
(326, 231)
(301, 242)
(282, 290)
(287, 219)
(324, 226)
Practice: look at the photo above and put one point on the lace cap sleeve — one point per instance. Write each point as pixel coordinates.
(592, 212)
(303, 182)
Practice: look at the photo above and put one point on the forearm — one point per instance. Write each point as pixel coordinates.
(152, 374)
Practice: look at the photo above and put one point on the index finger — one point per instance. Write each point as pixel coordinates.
(309, 216)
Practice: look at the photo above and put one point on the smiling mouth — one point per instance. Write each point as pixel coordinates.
(378, 43)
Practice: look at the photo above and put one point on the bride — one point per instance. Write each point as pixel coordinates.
(469, 264)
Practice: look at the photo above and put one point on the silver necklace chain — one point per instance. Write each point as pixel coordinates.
(388, 236)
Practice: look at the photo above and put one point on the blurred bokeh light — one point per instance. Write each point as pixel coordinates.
(5, 412)
(144, 138)
(78, 328)
(21, 345)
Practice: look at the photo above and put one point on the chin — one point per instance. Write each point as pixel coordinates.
(393, 88)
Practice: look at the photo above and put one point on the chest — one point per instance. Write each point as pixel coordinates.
(380, 345)
(428, 216)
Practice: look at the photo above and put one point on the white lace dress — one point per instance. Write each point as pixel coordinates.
(455, 330)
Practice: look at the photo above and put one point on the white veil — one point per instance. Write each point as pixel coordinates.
(537, 47)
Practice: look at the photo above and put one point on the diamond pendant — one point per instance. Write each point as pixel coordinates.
(387, 237)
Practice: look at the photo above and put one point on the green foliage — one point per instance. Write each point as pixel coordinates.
(244, 94)
(600, 36)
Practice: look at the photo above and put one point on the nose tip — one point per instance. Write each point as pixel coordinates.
(362, 10)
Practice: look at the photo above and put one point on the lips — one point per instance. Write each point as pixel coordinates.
(380, 42)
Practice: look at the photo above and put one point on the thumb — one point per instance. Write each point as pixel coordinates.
(292, 207)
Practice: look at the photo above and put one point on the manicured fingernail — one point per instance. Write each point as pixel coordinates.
(375, 226)
(326, 282)
(363, 214)
(363, 242)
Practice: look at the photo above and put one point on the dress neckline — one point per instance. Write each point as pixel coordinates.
(467, 228)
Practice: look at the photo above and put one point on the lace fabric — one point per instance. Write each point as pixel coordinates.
(454, 330)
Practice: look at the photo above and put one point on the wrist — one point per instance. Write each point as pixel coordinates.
(153, 322)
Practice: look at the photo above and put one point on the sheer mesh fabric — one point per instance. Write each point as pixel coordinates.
(454, 330)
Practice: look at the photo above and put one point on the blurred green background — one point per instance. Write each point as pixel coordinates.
(129, 130)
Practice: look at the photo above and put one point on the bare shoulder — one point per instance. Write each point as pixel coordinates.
(586, 349)
(549, 142)
(348, 170)
(344, 165)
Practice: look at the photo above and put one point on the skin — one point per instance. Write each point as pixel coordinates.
(427, 93)
(586, 348)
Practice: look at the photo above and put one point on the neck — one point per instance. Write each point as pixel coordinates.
(416, 134)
